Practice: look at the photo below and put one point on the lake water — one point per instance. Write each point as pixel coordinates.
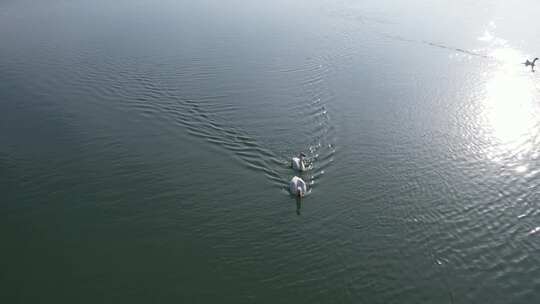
(144, 149)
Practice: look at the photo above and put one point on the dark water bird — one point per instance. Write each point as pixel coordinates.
(529, 63)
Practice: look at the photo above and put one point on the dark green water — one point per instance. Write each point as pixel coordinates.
(144, 149)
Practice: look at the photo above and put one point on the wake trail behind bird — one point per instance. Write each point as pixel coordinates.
(202, 119)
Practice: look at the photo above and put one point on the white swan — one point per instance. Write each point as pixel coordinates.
(297, 163)
(297, 186)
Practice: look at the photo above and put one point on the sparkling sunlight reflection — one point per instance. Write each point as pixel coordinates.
(510, 109)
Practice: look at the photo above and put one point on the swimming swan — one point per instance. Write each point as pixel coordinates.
(529, 63)
(297, 163)
(298, 187)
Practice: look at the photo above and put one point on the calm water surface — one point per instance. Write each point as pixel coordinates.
(144, 150)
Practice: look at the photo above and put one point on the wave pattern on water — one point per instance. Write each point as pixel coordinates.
(155, 96)
(436, 44)
(315, 119)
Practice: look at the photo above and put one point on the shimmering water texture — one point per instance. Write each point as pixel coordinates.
(145, 150)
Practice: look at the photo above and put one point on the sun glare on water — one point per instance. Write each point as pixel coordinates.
(509, 104)
(510, 107)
